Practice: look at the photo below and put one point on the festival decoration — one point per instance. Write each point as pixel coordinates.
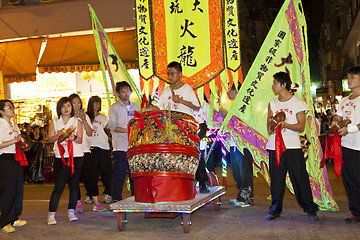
(203, 36)
(284, 49)
(109, 57)
(163, 156)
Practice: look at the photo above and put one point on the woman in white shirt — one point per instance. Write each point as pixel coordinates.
(11, 172)
(87, 132)
(68, 157)
(100, 149)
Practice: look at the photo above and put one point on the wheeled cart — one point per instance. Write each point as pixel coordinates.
(185, 208)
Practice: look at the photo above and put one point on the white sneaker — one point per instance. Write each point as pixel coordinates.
(71, 215)
(242, 204)
(8, 229)
(19, 223)
(107, 199)
(51, 218)
(89, 200)
(232, 201)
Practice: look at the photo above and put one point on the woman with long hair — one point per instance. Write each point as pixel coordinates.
(11, 172)
(68, 157)
(87, 132)
(100, 149)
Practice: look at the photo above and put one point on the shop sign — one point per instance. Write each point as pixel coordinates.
(19, 78)
(79, 68)
(70, 68)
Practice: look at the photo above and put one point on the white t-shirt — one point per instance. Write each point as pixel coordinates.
(201, 115)
(58, 125)
(185, 92)
(99, 137)
(290, 108)
(86, 139)
(7, 133)
(350, 109)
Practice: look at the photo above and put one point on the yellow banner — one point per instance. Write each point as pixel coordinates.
(232, 35)
(144, 38)
(191, 33)
(202, 35)
(188, 35)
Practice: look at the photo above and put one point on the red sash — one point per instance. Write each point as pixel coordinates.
(20, 155)
(70, 162)
(335, 153)
(279, 145)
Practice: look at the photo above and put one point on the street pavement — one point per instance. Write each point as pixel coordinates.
(228, 223)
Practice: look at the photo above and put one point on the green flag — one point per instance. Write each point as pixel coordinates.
(284, 49)
(109, 57)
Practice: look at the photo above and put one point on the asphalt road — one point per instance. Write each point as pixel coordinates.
(228, 223)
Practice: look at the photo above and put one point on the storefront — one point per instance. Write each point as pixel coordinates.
(36, 101)
(63, 65)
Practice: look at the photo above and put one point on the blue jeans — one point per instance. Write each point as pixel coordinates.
(242, 168)
(121, 167)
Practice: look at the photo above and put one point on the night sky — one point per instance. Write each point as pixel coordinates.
(314, 17)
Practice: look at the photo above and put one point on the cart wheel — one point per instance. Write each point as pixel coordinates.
(121, 221)
(217, 204)
(186, 222)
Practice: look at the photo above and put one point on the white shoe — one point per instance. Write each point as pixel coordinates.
(232, 201)
(51, 218)
(88, 200)
(107, 199)
(19, 223)
(71, 215)
(8, 229)
(242, 204)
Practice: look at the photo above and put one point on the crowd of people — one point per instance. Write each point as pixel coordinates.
(82, 149)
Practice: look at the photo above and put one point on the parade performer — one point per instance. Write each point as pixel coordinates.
(86, 174)
(180, 96)
(120, 113)
(349, 108)
(292, 158)
(241, 164)
(11, 172)
(68, 157)
(242, 169)
(201, 176)
(100, 149)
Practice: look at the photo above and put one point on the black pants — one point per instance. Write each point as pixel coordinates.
(100, 160)
(61, 177)
(292, 161)
(242, 168)
(350, 173)
(201, 174)
(86, 168)
(11, 189)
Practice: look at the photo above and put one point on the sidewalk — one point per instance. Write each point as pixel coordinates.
(228, 223)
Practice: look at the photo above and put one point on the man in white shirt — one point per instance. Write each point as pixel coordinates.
(120, 113)
(178, 96)
(292, 159)
(349, 108)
